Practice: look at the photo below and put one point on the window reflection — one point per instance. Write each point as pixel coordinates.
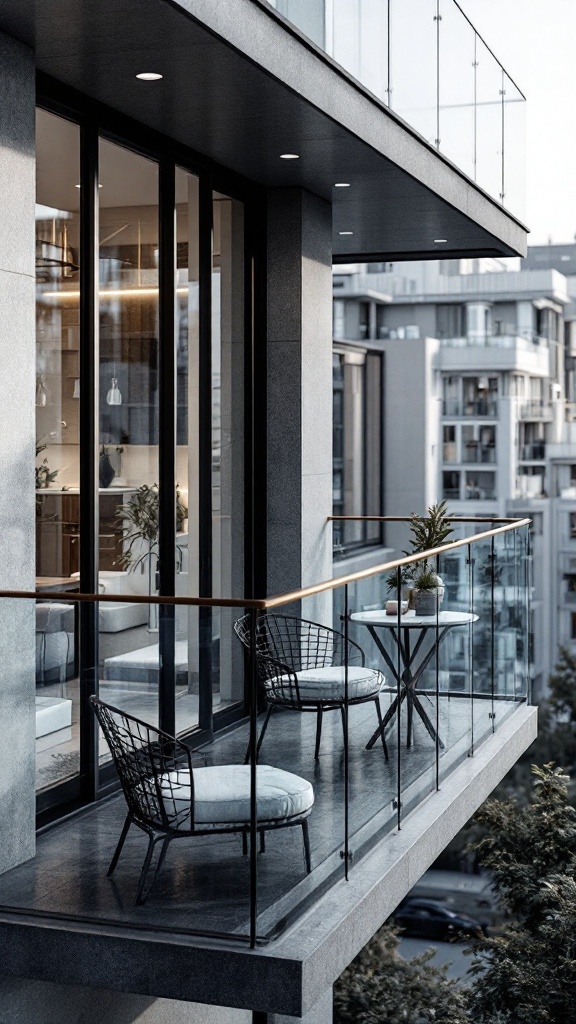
(57, 440)
(128, 425)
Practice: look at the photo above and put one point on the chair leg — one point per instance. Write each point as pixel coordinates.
(244, 844)
(318, 732)
(343, 717)
(306, 839)
(262, 841)
(140, 897)
(121, 842)
(409, 718)
(259, 744)
(381, 725)
(161, 858)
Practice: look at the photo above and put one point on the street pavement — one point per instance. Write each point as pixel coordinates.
(451, 953)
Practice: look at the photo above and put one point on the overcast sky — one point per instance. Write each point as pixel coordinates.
(536, 42)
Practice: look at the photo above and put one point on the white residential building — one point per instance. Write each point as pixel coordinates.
(483, 419)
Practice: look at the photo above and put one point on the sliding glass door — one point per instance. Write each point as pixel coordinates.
(164, 435)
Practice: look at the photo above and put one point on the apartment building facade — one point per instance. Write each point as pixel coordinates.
(176, 181)
(492, 392)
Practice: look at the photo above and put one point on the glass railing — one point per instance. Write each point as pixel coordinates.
(474, 407)
(536, 409)
(524, 341)
(426, 62)
(363, 694)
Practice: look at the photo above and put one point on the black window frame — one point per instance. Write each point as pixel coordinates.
(371, 534)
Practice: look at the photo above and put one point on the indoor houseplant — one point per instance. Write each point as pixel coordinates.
(139, 518)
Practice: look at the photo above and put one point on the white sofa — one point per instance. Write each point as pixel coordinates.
(54, 642)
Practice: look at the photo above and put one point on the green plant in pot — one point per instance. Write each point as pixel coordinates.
(406, 582)
(139, 518)
(426, 591)
(428, 532)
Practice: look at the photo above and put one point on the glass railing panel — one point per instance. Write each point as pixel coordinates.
(451, 669)
(419, 728)
(456, 87)
(514, 148)
(413, 64)
(522, 575)
(359, 42)
(301, 664)
(481, 576)
(373, 611)
(57, 695)
(489, 97)
(509, 620)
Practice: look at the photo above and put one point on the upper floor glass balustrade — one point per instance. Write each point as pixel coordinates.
(427, 63)
(353, 708)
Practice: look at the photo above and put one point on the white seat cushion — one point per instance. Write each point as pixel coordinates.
(222, 794)
(329, 684)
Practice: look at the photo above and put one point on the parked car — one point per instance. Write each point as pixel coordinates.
(432, 919)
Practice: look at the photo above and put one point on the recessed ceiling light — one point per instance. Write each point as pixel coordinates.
(440, 241)
(289, 156)
(80, 186)
(149, 76)
(345, 232)
(342, 184)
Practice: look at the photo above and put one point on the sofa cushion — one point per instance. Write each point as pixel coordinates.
(222, 794)
(52, 617)
(328, 683)
(114, 616)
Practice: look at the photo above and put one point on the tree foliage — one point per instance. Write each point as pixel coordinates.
(562, 684)
(380, 987)
(528, 974)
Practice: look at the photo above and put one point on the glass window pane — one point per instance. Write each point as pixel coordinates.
(128, 414)
(187, 450)
(227, 442)
(57, 439)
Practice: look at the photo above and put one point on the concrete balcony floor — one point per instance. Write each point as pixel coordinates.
(204, 885)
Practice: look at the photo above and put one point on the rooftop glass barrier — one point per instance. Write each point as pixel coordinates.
(426, 62)
(357, 706)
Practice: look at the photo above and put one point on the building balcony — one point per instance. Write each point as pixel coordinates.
(224, 909)
(441, 78)
(535, 452)
(475, 452)
(536, 409)
(490, 353)
(479, 408)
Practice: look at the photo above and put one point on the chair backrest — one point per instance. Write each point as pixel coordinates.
(153, 767)
(296, 643)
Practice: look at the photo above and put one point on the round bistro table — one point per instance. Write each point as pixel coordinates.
(409, 638)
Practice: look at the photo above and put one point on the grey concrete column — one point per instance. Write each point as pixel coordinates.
(299, 304)
(17, 436)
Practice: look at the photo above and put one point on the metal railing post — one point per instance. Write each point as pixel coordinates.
(253, 710)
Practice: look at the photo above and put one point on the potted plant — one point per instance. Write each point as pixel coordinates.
(44, 475)
(106, 471)
(427, 592)
(428, 532)
(139, 518)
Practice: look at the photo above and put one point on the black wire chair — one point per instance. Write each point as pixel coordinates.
(168, 799)
(300, 666)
